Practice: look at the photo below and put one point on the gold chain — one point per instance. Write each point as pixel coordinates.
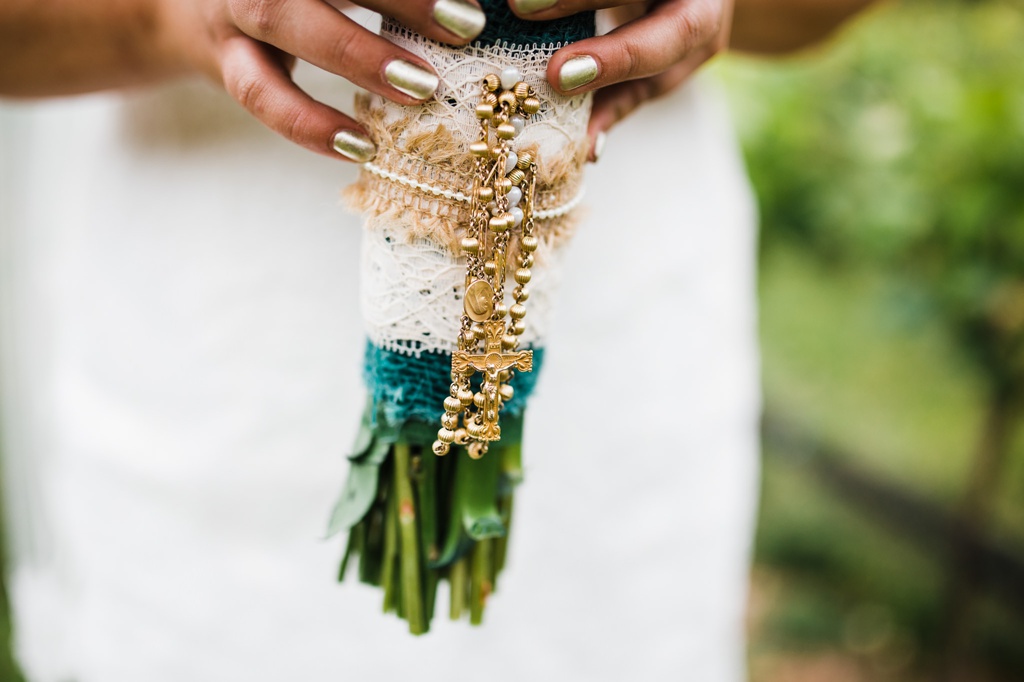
(504, 191)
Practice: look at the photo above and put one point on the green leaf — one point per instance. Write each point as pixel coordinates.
(356, 498)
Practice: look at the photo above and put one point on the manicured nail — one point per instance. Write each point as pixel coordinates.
(460, 17)
(354, 146)
(410, 79)
(577, 72)
(530, 6)
(599, 142)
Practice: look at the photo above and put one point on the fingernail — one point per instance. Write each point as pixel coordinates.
(354, 146)
(460, 17)
(410, 79)
(529, 6)
(599, 141)
(577, 72)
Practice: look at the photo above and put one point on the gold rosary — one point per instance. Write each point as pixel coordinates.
(504, 191)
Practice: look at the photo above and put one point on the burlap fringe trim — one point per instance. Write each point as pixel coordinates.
(437, 158)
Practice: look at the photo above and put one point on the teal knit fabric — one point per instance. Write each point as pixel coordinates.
(405, 387)
(504, 27)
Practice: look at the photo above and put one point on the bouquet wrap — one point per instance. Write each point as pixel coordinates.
(484, 178)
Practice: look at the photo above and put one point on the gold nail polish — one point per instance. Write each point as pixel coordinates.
(577, 72)
(599, 142)
(354, 146)
(530, 6)
(460, 17)
(410, 79)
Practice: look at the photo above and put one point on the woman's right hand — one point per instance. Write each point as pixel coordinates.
(250, 46)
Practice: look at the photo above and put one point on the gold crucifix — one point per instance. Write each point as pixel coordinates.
(492, 362)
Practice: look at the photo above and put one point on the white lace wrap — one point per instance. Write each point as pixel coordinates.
(414, 191)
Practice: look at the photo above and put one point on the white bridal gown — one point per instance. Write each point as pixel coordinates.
(181, 383)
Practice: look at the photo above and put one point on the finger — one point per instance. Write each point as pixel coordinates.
(616, 102)
(317, 33)
(255, 75)
(649, 45)
(448, 21)
(545, 10)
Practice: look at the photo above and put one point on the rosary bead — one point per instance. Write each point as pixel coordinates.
(529, 243)
(468, 339)
(491, 82)
(480, 149)
(479, 400)
(526, 261)
(445, 435)
(466, 397)
(500, 311)
(519, 327)
(490, 267)
(531, 105)
(517, 215)
(485, 194)
(523, 275)
(470, 244)
(491, 100)
(509, 77)
(503, 185)
(525, 160)
(440, 449)
(461, 436)
(507, 392)
(515, 195)
(478, 331)
(517, 311)
(506, 131)
(505, 375)
(521, 294)
(453, 404)
(508, 342)
(498, 223)
(484, 110)
(507, 98)
(519, 123)
(521, 90)
(449, 420)
(510, 162)
(477, 450)
(517, 176)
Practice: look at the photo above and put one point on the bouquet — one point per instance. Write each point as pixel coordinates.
(468, 206)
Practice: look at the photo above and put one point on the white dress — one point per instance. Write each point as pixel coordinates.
(181, 381)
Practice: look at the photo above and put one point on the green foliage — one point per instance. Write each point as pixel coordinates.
(903, 148)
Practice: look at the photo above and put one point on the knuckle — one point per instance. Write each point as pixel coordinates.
(264, 17)
(347, 49)
(631, 57)
(251, 92)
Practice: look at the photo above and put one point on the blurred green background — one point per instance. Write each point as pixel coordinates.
(889, 165)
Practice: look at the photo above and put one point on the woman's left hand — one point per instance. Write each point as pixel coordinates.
(656, 46)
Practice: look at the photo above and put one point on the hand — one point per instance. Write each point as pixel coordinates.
(656, 46)
(250, 46)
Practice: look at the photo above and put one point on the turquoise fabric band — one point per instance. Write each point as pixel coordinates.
(405, 387)
(504, 27)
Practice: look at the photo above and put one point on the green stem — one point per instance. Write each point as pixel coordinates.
(390, 553)
(410, 559)
(457, 582)
(480, 581)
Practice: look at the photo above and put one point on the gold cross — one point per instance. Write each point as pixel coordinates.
(492, 362)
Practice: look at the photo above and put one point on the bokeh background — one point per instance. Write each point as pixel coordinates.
(889, 165)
